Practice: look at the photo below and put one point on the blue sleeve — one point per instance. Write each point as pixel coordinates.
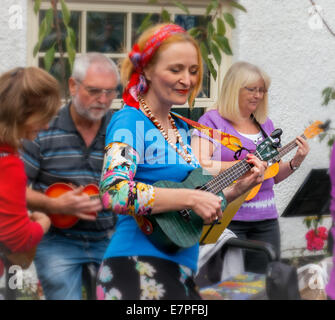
(127, 126)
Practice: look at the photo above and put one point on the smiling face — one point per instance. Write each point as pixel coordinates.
(248, 100)
(173, 76)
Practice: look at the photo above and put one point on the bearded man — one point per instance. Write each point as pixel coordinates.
(71, 152)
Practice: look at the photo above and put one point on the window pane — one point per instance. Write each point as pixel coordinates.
(106, 32)
(188, 22)
(137, 20)
(56, 71)
(51, 38)
(120, 87)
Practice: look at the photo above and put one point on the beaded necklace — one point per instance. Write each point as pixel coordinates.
(184, 154)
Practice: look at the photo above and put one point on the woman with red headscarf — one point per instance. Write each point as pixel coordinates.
(145, 143)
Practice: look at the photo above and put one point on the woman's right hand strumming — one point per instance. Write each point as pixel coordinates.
(205, 204)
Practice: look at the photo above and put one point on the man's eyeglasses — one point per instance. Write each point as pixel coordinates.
(255, 90)
(97, 92)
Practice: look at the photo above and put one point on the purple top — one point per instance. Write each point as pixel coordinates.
(332, 180)
(330, 288)
(262, 206)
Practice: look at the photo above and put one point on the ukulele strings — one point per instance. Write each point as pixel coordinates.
(225, 178)
(228, 176)
(289, 147)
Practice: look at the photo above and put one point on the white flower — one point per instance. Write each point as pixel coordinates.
(106, 274)
(113, 294)
(145, 269)
(151, 289)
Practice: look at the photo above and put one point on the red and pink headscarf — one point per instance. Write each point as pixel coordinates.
(137, 83)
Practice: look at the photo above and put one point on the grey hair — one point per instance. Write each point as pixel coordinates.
(85, 60)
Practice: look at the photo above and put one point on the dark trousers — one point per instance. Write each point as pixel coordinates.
(265, 230)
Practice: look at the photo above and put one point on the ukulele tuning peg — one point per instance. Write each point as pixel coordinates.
(325, 125)
(275, 135)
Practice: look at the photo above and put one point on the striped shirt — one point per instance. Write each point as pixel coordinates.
(60, 154)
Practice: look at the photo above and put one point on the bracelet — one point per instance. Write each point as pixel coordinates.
(292, 168)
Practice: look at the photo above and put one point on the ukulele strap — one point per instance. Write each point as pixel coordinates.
(229, 141)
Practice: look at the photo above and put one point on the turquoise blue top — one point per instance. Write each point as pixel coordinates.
(158, 161)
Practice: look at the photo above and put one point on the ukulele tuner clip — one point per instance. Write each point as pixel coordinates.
(275, 138)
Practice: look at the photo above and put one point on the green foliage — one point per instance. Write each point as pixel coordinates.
(66, 13)
(328, 94)
(49, 57)
(211, 35)
(313, 221)
(181, 6)
(51, 24)
(37, 6)
(44, 30)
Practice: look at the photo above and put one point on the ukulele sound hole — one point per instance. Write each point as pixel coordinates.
(185, 214)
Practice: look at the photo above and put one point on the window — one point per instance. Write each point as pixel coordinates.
(112, 29)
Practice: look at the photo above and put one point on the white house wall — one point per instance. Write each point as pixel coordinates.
(298, 53)
(13, 34)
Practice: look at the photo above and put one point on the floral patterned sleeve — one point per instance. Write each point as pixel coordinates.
(118, 190)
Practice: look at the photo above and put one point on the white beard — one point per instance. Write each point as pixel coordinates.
(87, 113)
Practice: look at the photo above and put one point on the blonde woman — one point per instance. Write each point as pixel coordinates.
(29, 98)
(242, 110)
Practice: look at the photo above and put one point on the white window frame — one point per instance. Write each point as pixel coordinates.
(84, 7)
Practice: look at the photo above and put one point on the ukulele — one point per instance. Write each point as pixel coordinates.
(211, 235)
(65, 221)
(175, 230)
(310, 132)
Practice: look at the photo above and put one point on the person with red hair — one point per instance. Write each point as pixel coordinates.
(145, 143)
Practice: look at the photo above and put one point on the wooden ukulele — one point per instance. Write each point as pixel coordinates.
(210, 234)
(310, 132)
(65, 221)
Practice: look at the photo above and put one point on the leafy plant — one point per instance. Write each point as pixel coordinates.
(51, 23)
(312, 221)
(328, 93)
(211, 35)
